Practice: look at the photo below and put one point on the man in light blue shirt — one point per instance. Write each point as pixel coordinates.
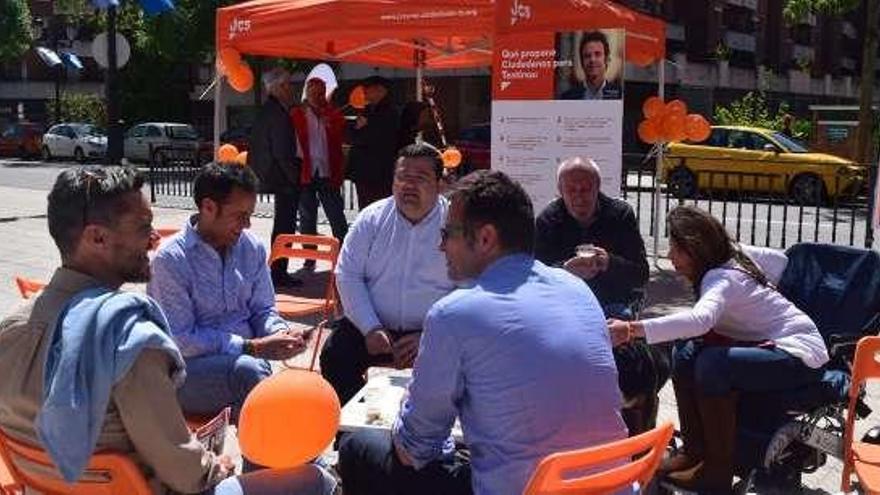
(215, 287)
(516, 355)
(390, 272)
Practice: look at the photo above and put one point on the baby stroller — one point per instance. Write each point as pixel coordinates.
(781, 436)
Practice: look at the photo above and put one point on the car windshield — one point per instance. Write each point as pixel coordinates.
(182, 132)
(88, 130)
(792, 145)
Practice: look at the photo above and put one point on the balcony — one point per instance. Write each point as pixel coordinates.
(740, 41)
(749, 4)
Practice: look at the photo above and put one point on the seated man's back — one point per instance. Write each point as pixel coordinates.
(535, 369)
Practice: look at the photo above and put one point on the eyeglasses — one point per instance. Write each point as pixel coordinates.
(449, 231)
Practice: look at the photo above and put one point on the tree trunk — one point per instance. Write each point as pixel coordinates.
(865, 132)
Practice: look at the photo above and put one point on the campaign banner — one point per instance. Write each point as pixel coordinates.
(557, 95)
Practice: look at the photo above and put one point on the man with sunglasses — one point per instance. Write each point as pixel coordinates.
(88, 367)
(390, 272)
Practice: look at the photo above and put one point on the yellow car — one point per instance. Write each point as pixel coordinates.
(754, 159)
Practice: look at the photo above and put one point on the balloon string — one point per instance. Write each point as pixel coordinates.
(435, 112)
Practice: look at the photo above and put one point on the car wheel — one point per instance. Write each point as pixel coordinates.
(682, 182)
(807, 190)
(78, 155)
(46, 154)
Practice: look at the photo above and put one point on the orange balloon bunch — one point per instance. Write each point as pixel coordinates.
(670, 122)
(229, 153)
(288, 419)
(237, 71)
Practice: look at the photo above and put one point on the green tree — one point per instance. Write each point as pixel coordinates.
(753, 110)
(798, 9)
(80, 107)
(15, 29)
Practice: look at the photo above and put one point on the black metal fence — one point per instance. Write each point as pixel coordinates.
(757, 208)
(762, 209)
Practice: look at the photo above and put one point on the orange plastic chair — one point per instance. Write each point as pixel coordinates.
(292, 246)
(863, 458)
(106, 474)
(551, 477)
(28, 287)
(8, 485)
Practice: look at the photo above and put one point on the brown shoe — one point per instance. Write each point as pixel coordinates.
(715, 474)
(691, 432)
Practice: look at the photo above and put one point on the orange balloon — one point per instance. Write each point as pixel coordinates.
(240, 77)
(288, 419)
(241, 158)
(697, 128)
(451, 157)
(227, 153)
(357, 98)
(673, 127)
(677, 107)
(230, 57)
(653, 107)
(649, 130)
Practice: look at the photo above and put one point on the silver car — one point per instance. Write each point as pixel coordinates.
(74, 140)
(155, 141)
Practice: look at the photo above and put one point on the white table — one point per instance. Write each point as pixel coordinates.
(375, 407)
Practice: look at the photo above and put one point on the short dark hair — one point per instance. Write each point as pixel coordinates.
(490, 197)
(422, 150)
(593, 36)
(85, 196)
(217, 180)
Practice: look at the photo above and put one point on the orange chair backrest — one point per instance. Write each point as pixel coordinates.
(28, 287)
(865, 366)
(106, 474)
(552, 476)
(292, 246)
(166, 231)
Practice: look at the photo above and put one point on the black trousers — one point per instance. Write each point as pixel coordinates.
(344, 359)
(284, 222)
(369, 466)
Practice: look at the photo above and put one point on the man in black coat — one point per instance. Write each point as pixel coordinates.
(615, 268)
(374, 143)
(272, 156)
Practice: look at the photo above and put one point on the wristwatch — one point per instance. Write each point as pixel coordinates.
(247, 348)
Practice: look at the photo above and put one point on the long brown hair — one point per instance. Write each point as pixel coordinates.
(702, 237)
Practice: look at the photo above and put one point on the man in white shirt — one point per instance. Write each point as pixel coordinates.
(390, 272)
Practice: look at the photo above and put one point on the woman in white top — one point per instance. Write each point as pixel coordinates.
(750, 338)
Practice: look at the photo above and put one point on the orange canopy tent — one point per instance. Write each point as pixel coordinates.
(436, 34)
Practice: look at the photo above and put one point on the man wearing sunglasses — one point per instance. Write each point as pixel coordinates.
(390, 272)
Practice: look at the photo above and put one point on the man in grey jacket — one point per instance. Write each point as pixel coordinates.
(272, 156)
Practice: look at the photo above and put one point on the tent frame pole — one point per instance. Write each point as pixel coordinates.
(218, 95)
(658, 169)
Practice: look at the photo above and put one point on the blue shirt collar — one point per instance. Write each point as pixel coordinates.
(504, 264)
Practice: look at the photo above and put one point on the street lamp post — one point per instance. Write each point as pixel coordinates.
(114, 129)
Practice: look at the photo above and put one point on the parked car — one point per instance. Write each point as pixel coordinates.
(237, 136)
(21, 139)
(158, 141)
(77, 140)
(474, 143)
(763, 160)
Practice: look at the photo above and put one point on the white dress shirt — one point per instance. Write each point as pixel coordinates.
(317, 132)
(733, 304)
(391, 271)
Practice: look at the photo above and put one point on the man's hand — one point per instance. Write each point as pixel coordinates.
(620, 332)
(405, 350)
(278, 346)
(360, 122)
(378, 342)
(587, 267)
(226, 466)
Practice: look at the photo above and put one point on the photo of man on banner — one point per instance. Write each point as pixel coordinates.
(597, 65)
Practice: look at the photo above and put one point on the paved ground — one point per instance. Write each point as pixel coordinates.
(26, 250)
